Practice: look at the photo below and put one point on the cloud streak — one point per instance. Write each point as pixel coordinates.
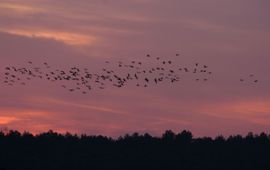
(65, 37)
(20, 8)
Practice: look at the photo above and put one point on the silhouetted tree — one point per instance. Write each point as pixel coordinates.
(184, 137)
(51, 150)
(168, 136)
(220, 139)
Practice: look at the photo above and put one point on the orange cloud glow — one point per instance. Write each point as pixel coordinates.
(19, 8)
(69, 38)
(35, 121)
(4, 120)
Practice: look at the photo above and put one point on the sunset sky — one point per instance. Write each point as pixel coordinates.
(232, 37)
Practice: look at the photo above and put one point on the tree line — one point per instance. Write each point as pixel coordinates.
(52, 151)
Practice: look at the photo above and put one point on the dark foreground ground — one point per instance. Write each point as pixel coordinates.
(51, 151)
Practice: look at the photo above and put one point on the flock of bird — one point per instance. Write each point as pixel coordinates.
(250, 78)
(120, 74)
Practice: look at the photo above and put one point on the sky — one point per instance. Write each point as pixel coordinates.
(232, 37)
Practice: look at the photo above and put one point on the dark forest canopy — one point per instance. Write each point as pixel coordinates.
(51, 150)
